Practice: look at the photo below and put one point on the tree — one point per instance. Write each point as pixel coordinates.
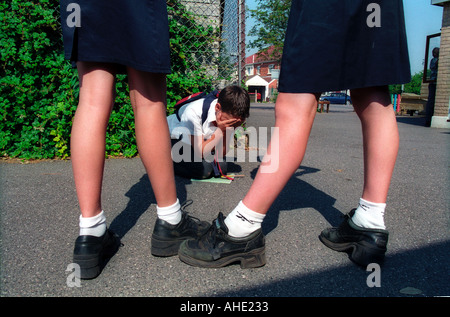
(413, 86)
(271, 23)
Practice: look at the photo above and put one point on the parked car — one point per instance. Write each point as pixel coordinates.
(337, 98)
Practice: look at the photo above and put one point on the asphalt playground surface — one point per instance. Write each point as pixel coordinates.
(39, 223)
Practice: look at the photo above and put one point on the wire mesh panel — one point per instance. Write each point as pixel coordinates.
(211, 38)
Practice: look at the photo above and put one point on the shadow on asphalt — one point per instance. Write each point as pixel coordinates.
(420, 272)
(298, 194)
(419, 121)
(141, 196)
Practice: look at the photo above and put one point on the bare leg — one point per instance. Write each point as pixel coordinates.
(148, 98)
(380, 138)
(294, 114)
(89, 133)
(364, 237)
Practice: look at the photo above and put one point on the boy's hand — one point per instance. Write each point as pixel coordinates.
(227, 123)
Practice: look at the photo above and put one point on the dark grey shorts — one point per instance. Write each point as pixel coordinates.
(344, 44)
(132, 33)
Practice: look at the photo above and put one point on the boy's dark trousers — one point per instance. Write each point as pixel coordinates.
(198, 170)
(429, 108)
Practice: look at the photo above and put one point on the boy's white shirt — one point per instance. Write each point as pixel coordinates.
(191, 120)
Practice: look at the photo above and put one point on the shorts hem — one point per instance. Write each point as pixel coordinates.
(337, 88)
(137, 66)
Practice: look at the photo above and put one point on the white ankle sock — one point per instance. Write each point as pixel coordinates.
(93, 226)
(243, 221)
(369, 215)
(171, 214)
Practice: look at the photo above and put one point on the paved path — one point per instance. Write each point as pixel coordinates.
(39, 223)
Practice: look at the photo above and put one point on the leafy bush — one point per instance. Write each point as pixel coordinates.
(39, 89)
(413, 86)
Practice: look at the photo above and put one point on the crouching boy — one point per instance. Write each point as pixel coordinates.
(199, 132)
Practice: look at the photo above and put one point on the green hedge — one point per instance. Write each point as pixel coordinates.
(39, 89)
(413, 86)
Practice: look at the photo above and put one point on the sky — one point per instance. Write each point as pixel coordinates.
(421, 19)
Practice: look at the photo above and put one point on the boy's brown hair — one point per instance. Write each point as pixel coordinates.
(235, 101)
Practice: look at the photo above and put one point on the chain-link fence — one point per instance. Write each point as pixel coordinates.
(214, 40)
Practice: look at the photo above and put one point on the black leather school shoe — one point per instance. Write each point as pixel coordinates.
(92, 253)
(363, 245)
(217, 249)
(167, 238)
